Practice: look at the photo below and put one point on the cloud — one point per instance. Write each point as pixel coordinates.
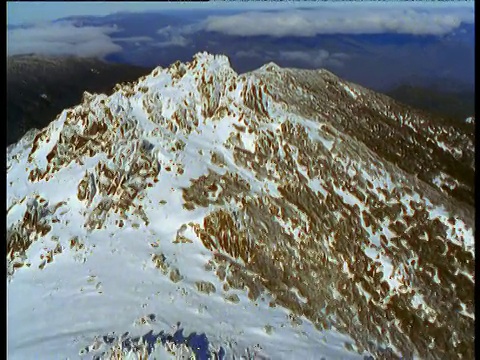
(173, 36)
(308, 58)
(174, 40)
(414, 20)
(313, 58)
(62, 39)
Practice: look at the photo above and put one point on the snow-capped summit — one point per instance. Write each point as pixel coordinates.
(280, 214)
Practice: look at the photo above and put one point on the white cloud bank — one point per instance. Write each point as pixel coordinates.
(62, 39)
(428, 20)
(175, 36)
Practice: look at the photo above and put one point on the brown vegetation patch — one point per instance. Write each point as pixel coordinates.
(36, 223)
(160, 262)
(205, 287)
(275, 261)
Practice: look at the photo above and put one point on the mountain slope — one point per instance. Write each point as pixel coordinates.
(456, 105)
(40, 87)
(283, 213)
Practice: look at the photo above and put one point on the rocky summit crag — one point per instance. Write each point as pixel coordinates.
(282, 213)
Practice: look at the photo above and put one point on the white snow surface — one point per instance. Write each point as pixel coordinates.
(350, 91)
(111, 283)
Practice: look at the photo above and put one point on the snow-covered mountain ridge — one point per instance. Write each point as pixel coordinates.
(284, 213)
